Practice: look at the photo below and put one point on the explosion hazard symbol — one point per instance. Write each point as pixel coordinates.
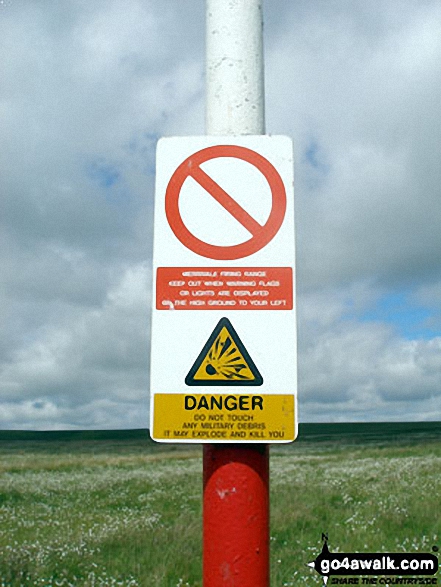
(224, 360)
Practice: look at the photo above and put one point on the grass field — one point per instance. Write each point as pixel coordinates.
(114, 509)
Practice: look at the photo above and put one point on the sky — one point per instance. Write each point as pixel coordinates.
(86, 90)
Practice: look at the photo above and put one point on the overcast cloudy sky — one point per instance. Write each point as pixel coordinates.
(86, 89)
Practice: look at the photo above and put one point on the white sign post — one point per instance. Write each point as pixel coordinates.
(223, 351)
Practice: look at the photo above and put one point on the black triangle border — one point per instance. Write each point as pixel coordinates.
(258, 380)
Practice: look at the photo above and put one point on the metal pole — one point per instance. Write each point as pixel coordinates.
(236, 477)
(234, 68)
(236, 516)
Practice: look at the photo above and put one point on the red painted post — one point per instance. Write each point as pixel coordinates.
(236, 516)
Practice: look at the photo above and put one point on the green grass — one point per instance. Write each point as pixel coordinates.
(115, 509)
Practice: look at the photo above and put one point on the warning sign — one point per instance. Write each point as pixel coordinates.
(224, 417)
(224, 360)
(223, 344)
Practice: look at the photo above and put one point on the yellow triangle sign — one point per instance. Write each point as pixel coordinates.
(224, 360)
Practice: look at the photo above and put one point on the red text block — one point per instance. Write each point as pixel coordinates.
(218, 288)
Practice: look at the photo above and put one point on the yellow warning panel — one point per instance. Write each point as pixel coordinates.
(228, 417)
(224, 360)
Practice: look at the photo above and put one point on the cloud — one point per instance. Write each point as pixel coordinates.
(363, 368)
(359, 88)
(86, 91)
(96, 357)
(88, 88)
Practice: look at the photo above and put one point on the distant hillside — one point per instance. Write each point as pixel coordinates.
(348, 432)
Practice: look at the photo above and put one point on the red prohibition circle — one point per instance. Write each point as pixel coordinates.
(261, 235)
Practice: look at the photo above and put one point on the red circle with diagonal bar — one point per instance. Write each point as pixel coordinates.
(261, 234)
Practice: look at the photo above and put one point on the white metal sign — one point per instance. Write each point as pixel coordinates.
(223, 349)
